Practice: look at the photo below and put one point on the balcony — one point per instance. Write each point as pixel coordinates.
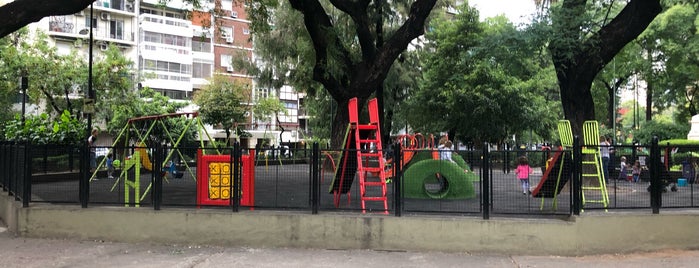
(167, 25)
(127, 6)
(64, 27)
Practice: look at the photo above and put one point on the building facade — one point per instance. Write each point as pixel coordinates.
(176, 50)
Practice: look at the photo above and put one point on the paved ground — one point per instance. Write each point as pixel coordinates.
(32, 252)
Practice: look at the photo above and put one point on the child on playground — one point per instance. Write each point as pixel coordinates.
(622, 169)
(523, 170)
(110, 166)
(445, 151)
(636, 170)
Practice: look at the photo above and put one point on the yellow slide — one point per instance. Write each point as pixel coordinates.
(145, 160)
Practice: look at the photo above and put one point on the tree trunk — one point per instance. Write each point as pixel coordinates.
(358, 77)
(341, 123)
(578, 61)
(578, 105)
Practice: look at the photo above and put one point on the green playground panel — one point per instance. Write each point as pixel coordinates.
(459, 183)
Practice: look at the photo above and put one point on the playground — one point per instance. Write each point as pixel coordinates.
(358, 177)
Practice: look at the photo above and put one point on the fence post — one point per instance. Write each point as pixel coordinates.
(576, 180)
(84, 185)
(656, 193)
(485, 182)
(397, 174)
(315, 180)
(157, 193)
(27, 182)
(236, 176)
(3, 164)
(505, 161)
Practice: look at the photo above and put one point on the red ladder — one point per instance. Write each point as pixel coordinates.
(365, 136)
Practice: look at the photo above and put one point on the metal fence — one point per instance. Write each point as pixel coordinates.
(483, 183)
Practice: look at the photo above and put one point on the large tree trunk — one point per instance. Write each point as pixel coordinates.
(576, 98)
(356, 77)
(20, 13)
(578, 60)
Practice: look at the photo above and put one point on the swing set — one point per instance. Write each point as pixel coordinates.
(142, 128)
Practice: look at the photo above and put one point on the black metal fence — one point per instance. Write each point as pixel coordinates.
(482, 183)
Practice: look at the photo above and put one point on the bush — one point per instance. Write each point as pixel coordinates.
(663, 130)
(41, 129)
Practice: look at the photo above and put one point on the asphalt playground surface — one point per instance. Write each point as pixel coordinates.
(35, 252)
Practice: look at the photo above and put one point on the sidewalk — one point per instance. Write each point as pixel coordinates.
(31, 252)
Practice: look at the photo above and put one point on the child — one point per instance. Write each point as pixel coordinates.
(622, 169)
(445, 151)
(110, 166)
(523, 170)
(636, 170)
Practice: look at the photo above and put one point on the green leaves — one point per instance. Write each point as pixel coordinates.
(221, 103)
(486, 81)
(42, 129)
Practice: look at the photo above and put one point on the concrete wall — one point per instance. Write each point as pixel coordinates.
(583, 235)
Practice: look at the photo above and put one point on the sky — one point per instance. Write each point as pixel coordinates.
(517, 11)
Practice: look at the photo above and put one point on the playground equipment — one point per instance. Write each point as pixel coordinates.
(142, 128)
(592, 173)
(215, 175)
(422, 175)
(362, 148)
(362, 136)
(132, 166)
(558, 172)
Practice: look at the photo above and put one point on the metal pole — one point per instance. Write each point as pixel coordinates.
(23, 84)
(397, 174)
(90, 93)
(656, 192)
(577, 176)
(485, 182)
(315, 181)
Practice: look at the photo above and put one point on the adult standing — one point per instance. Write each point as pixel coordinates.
(604, 152)
(93, 150)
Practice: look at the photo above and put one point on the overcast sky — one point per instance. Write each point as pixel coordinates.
(518, 11)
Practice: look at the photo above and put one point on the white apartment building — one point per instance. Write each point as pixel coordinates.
(175, 54)
(165, 49)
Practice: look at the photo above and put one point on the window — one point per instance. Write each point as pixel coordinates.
(201, 69)
(201, 46)
(246, 31)
(287, 93)
(227, 34)
(116, 29)
(167, 39)
(262, 93)
(226, 60)
(93, 24)
(117, 4)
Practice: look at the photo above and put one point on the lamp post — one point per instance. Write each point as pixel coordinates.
(23, 85)
(90, 92)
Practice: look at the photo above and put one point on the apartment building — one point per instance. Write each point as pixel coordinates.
(176, 50)
(112, 22)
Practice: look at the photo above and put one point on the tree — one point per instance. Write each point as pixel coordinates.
(268, 108)
(54, 79)
(580, 48)
(673, 43)
(221, 104)
(349, 64)
(43, 129)
(483, 81)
